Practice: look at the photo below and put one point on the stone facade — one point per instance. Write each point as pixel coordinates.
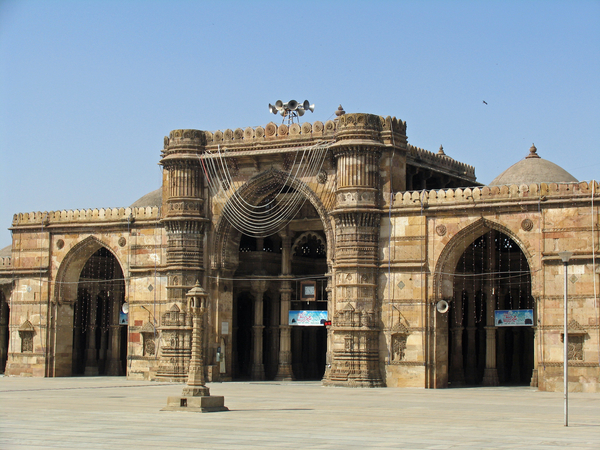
(386, 231)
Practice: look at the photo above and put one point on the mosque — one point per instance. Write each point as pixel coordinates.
(331, 251)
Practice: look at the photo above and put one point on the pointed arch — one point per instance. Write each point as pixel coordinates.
(446, 263)
(226, 239)
(71, 266)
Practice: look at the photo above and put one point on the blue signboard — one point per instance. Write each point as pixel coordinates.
(514, 318)
(123, 318)
(308, 318)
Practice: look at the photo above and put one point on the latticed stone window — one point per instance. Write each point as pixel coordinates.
(575, 350)
(398, 346)
(26, 332)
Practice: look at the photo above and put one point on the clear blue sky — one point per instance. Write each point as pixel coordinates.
(89, 88)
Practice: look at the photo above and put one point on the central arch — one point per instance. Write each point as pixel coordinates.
(264, 287)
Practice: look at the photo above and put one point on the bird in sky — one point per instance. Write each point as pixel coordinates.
(485, 102)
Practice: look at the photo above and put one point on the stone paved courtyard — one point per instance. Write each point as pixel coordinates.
(111, 412)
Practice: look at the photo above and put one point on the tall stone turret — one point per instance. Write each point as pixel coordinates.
(184, 220)
(356, 329)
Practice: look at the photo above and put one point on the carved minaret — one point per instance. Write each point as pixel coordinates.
(184, 220)
(356, 329)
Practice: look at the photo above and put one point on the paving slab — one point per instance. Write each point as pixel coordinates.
(112, 412)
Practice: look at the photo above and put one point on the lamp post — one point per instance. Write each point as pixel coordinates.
(565, 257)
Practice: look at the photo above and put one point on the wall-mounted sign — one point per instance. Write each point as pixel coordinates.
(308, 318)
(514, 318)
(123, 318)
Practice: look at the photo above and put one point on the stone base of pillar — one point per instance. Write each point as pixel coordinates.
(534, 378)
(490, 377)
(258, 372)
(91, 371)
(201, 403)
(284, 373)
(114, 368)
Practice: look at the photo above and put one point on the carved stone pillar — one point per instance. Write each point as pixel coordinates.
(534, 374)
(490, 373)
(197, 307)
(284, 370)
(258, 367)
(457, 369)
(196, 396)
(471, 370)
(114, 351)
(355, 323)
(91, 356)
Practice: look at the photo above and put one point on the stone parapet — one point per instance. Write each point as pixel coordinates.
(538, 192)
(419, 155)
(86, 216)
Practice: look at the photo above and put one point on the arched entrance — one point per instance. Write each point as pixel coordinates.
(85, 334)
(99, 340)
(266, 284)
(491, 274)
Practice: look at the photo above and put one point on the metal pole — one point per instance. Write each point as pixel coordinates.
(565, 256)
(566, 351)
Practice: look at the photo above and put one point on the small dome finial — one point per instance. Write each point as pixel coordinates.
(340, 111)
(532, 152)
(441, 152)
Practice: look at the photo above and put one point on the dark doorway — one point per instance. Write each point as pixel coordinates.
(492, 274)
(4, 335)
(242, 328)
(99, 341)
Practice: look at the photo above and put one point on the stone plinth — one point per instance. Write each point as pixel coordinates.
(196, 400)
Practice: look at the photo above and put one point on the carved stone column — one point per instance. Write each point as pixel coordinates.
(284, 370)
(114, 351)
(197, 307)
(457, 369)
(534, 374)
(258, 368)
(91, 359)
(471, 370)
(355, 323)
(196, 396)
(490, 373)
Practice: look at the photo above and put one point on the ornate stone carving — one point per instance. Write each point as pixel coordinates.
(441, 230)
(398, 347)
(322, 177)
(527, 225)
(270, 130)
(26, 332)
(60, 244)
(283, 130)
(176, 331)
(122, 241)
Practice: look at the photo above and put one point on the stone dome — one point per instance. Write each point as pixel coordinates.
(153, 198)
(533, 170)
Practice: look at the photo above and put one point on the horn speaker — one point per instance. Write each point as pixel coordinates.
(442, 306)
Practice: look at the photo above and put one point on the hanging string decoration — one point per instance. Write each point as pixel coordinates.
(263, 210)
